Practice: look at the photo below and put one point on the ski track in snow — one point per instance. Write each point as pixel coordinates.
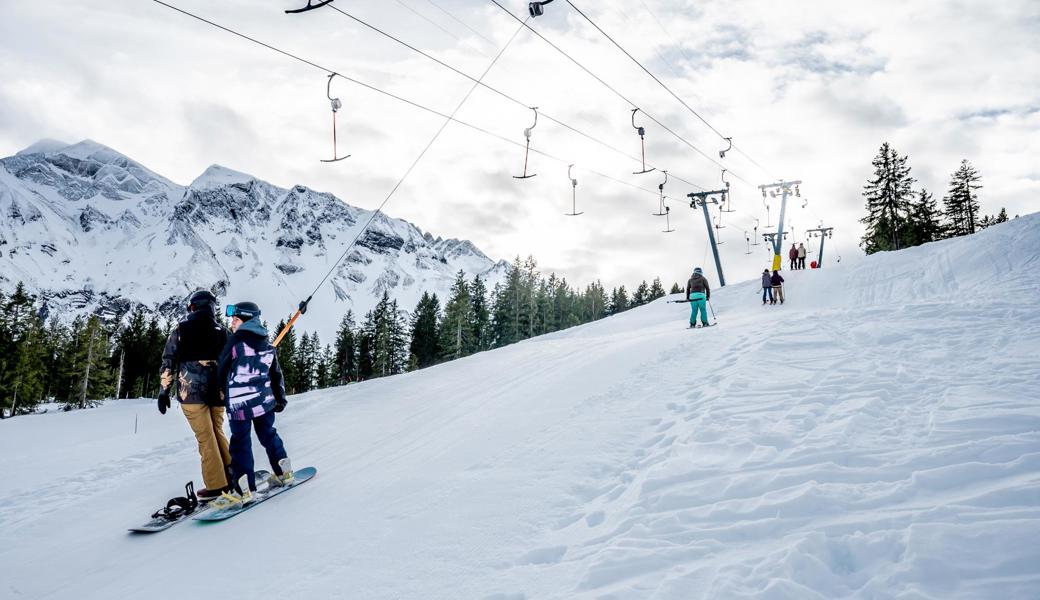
(876, 437)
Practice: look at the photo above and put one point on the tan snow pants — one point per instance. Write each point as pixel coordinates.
(208, 424)
(778, 293)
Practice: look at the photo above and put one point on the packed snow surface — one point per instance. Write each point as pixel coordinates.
(878, 436)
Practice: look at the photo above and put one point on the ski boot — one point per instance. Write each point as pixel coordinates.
(286, 478)
(233, 498)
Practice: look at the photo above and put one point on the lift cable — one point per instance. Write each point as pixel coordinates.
(619, 94)
(659, 82)
(496, 90)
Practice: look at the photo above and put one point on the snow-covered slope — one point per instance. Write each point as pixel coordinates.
(876, 437)
(92, 230)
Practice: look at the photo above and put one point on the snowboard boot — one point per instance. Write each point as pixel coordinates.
(286, 478)
(206, 495)
(233, 498)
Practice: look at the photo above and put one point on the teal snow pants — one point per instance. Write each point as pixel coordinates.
(698, 303)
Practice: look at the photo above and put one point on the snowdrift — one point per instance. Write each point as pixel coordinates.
(876, 437)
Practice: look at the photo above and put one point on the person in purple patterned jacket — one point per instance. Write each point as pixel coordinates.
(253, 393)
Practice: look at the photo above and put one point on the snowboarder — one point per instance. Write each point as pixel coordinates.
(254, 392)
(793, 255)
(698, 293)
(801, 256)
(191, 352)
(767, 287)
(778, 287)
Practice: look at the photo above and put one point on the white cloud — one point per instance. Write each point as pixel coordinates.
(809, 90)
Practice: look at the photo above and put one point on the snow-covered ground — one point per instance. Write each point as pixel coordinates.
(878, 436)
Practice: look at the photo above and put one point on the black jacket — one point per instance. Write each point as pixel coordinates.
(192, 351)
(698, 283)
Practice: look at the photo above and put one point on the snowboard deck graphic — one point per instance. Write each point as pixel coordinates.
(157, 524)
(300, 477)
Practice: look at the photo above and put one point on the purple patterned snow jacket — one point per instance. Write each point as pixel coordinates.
(250, 373)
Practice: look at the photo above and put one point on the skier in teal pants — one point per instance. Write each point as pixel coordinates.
(698, 293)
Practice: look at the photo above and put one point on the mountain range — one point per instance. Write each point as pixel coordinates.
(90, 230)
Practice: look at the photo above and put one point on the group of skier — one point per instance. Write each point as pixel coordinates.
(772, 287)
(222, 373)
(797, 256)
(698, 292)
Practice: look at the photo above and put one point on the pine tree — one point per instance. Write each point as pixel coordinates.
(365, 354)
(887, 195)
(287, 359)
(656, 290)
(154, 343)
(676, 289)
(455, 329)
(23, 348)
(323, 370)
(961, 202)
(618, 300)
(90, 364)
(480, 315)
(424, 349)
(641, 296)
(306, 362)
(505, 316)
(1001, 216)
(924, 225)
(344, 364)
(388, 337)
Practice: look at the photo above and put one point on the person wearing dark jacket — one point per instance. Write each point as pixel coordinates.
(767, 287)
(254, 391)
(793, 255)
(698, 293)
(778, 287)
(191, 352)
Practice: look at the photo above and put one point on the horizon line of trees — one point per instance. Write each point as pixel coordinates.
(898, 216)
(77, 363)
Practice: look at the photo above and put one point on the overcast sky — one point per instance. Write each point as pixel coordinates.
(809, 90)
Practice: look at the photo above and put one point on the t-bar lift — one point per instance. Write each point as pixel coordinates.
(823, 233)
(785, 190)
(703, 199)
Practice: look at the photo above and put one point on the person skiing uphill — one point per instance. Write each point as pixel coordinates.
(778, 287)
(767, 287)
(254, 391)
(793, 255)
(191, 352)
(698, 293)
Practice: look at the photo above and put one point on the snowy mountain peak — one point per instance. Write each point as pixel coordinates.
(44, 146)
(85, 211)
(216, 176)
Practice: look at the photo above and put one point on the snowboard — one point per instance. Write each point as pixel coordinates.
(300, 476)
(157, 524)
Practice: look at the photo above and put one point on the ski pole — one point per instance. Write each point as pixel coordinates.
(712, 312)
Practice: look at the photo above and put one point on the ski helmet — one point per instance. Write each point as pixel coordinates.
(243, 310)
(698, 271)
(200, 299)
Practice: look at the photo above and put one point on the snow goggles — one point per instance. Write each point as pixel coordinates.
(235, 311)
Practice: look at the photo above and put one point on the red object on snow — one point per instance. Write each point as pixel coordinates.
(812, 265)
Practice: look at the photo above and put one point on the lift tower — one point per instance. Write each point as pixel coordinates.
(785, 190)
(823, 233)
(703, 199)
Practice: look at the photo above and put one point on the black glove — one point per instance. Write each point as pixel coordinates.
(279, 406)
(164, 401)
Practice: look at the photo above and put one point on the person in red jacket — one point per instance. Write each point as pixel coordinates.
(793, 255)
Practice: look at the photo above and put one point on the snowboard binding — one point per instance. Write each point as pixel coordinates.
(179, 507)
